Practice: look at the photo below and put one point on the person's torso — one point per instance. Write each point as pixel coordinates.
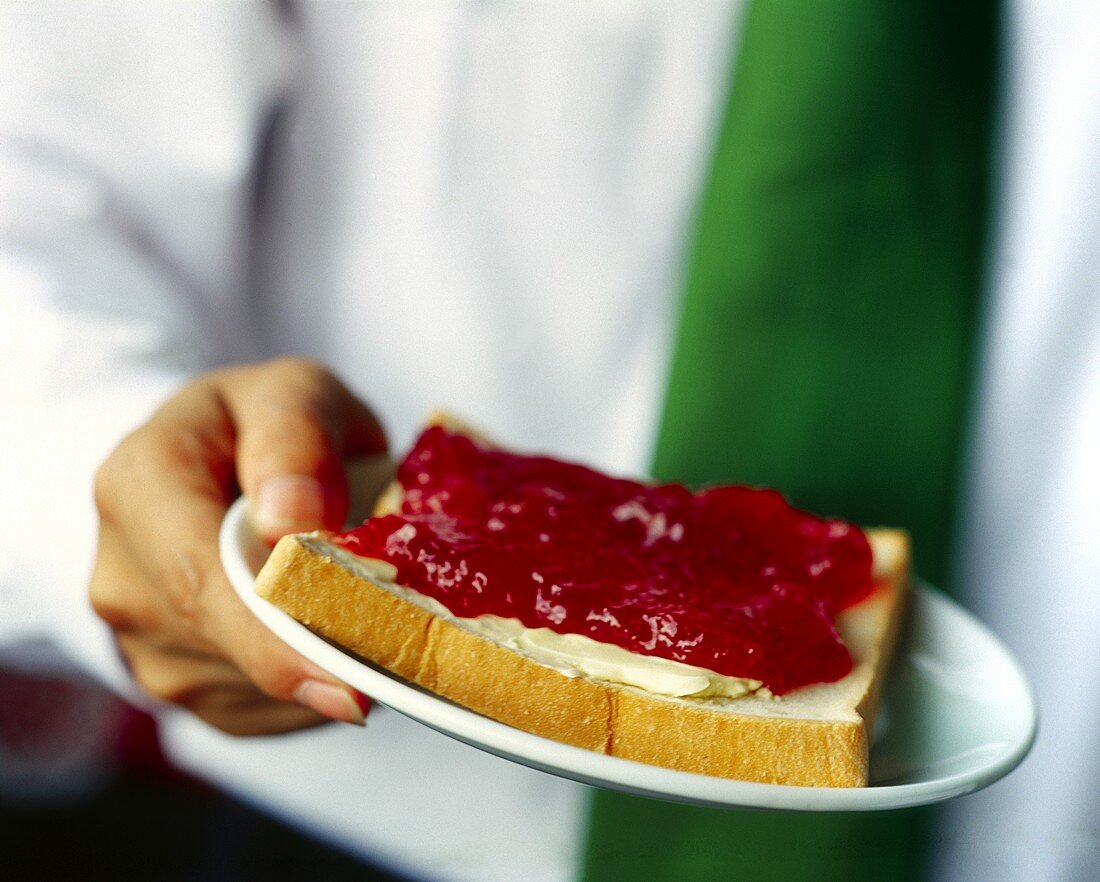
(486, 209)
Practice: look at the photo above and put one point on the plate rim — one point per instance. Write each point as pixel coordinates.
(594, 769)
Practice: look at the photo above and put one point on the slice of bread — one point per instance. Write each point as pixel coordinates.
(814, 736)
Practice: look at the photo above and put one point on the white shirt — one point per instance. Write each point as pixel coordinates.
(486, 206)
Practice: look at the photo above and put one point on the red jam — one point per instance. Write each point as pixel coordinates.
(731, 579)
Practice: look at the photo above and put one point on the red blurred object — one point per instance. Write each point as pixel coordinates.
(64, 737)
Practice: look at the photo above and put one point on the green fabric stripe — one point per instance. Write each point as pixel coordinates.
(826, 326)
(825, 346)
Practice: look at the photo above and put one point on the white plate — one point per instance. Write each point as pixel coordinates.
(957, 713)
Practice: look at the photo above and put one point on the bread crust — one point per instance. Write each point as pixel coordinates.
(815, 736)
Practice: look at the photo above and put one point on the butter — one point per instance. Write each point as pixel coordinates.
(578, 654)
(575, 655)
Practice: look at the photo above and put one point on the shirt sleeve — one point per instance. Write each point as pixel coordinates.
(129, 139)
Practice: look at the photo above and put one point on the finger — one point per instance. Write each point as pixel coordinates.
(213, 690)
(168, 521)
(296, 424)
(203, 595)
(174, 663)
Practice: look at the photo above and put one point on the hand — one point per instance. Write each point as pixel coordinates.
(278, 430)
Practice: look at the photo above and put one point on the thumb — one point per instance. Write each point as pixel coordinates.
(295, 424)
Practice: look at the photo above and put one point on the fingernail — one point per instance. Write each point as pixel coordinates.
(288, 504)
(331, 701)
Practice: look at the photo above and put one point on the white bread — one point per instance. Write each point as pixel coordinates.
(814, 736)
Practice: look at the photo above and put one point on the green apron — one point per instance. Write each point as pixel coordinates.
(825, 348)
